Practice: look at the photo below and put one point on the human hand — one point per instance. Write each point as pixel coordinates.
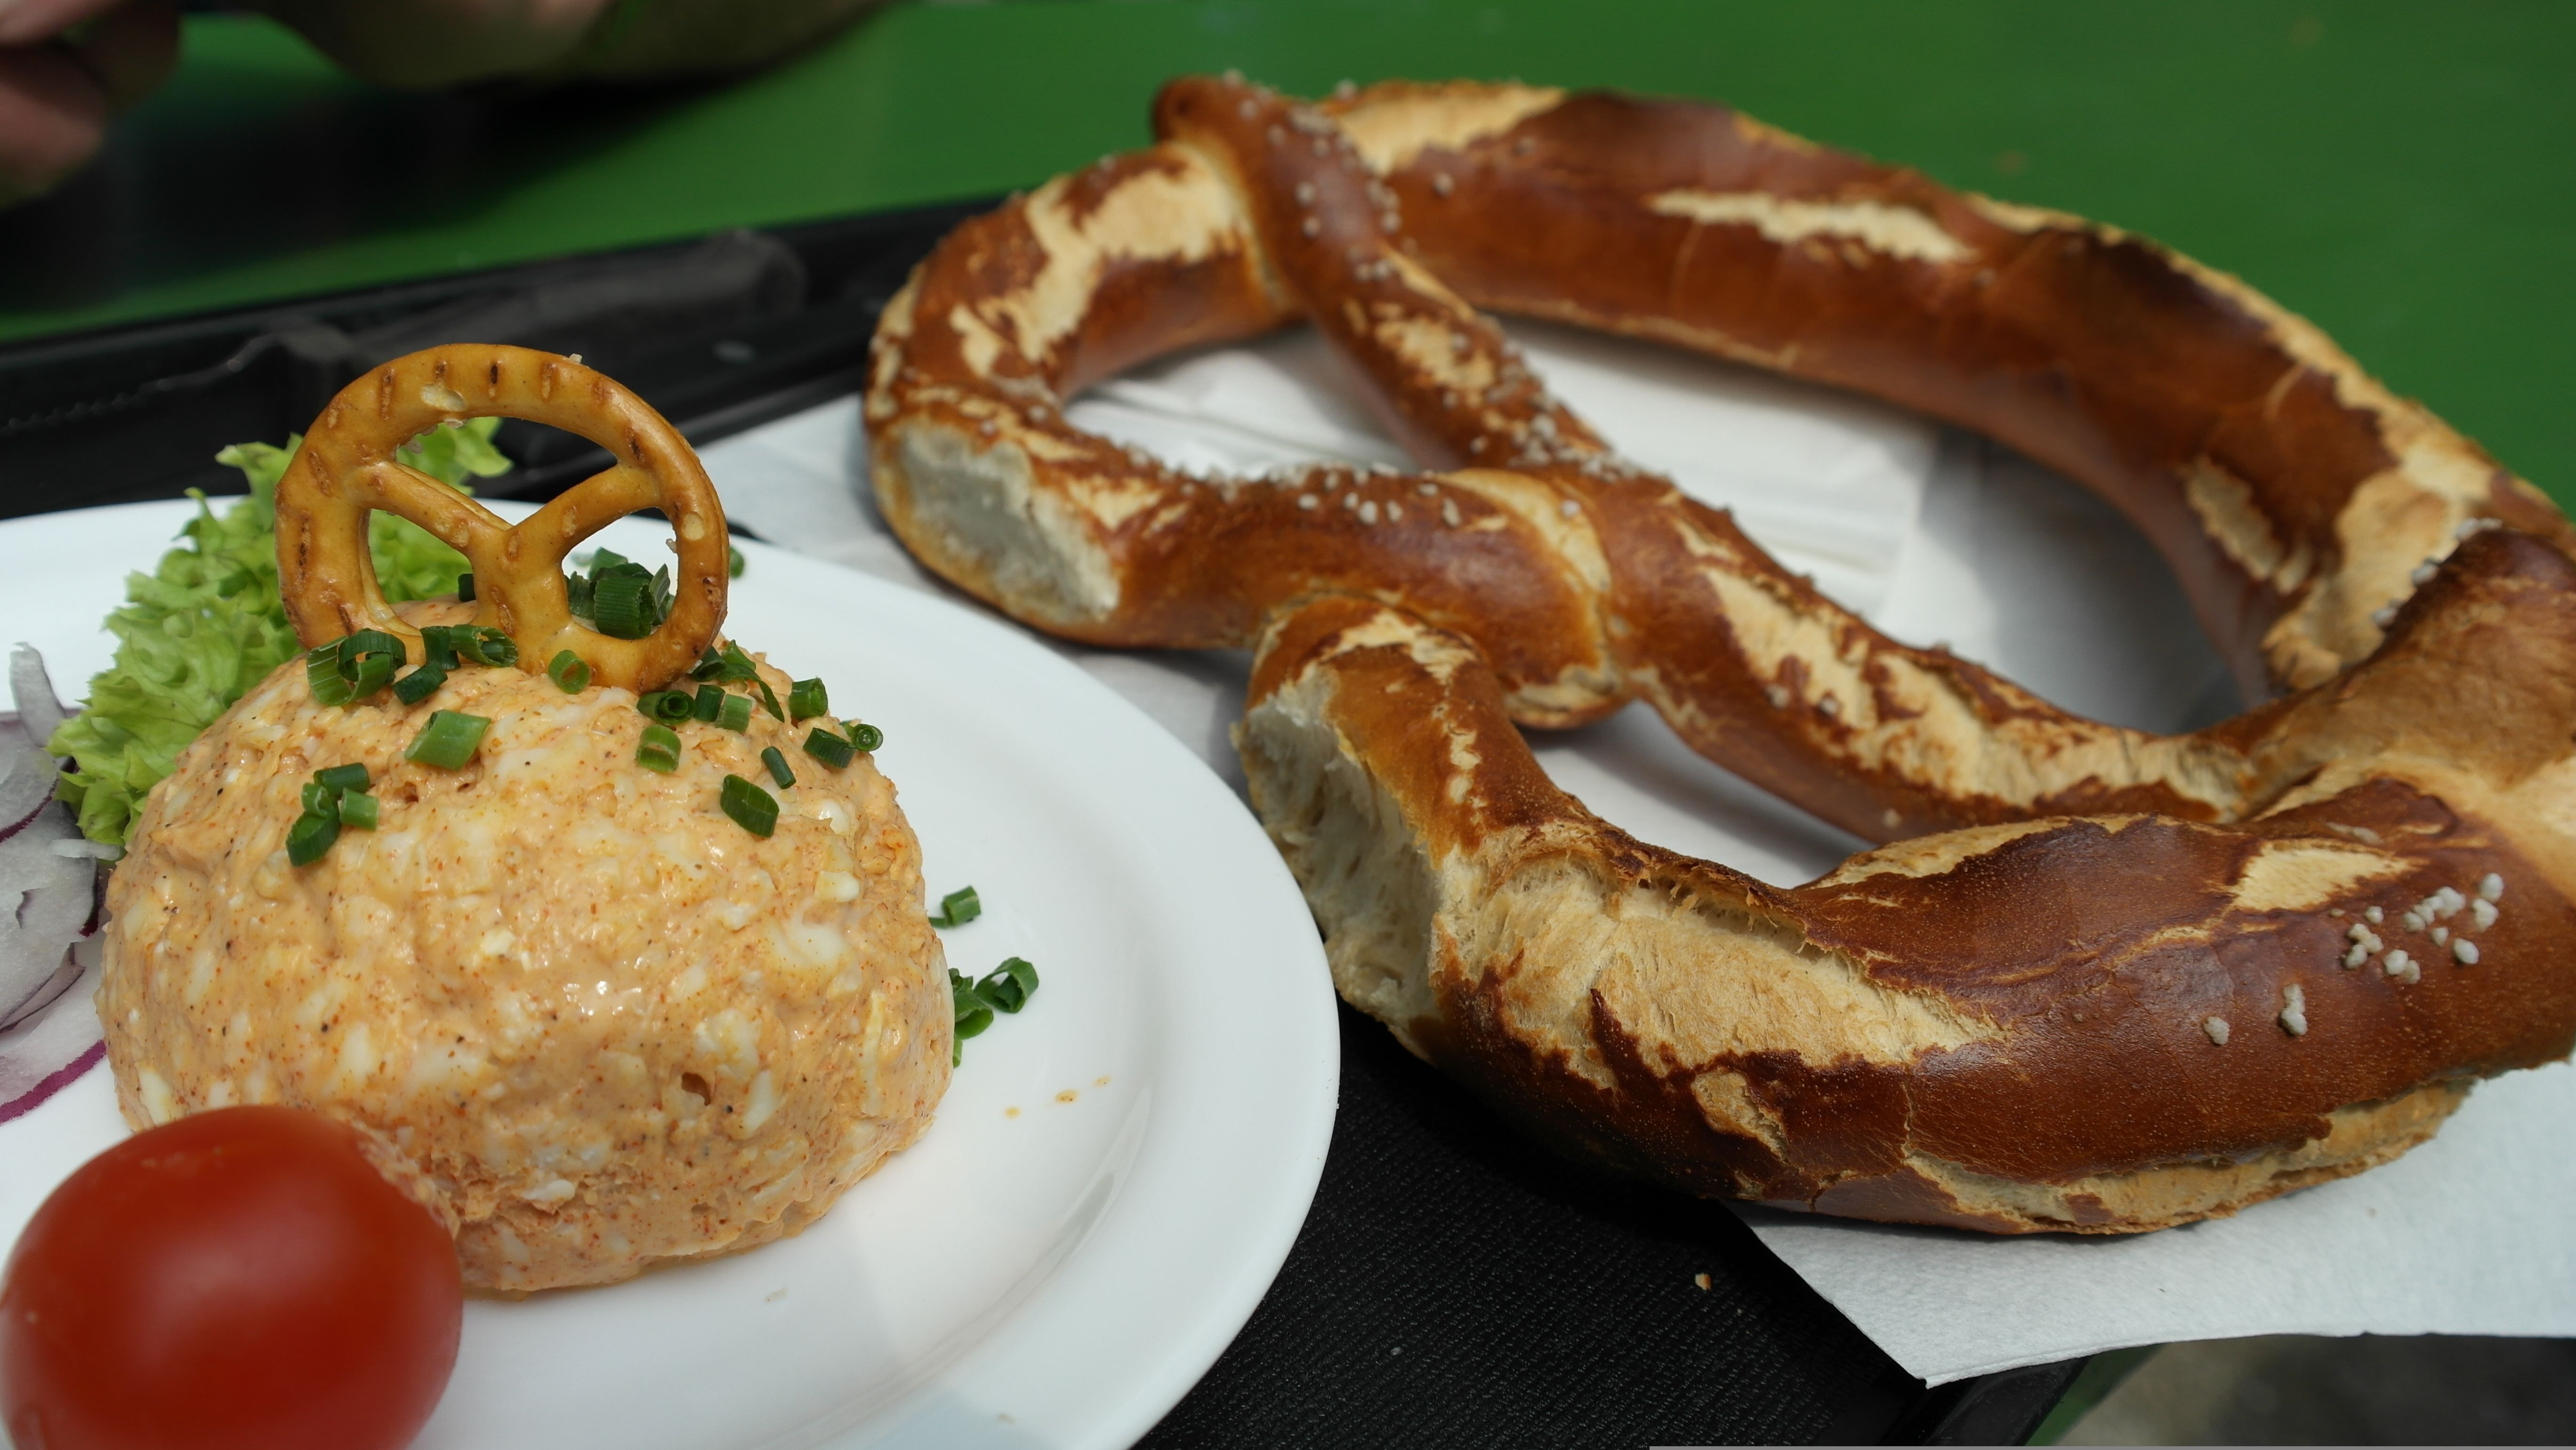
(66, 68)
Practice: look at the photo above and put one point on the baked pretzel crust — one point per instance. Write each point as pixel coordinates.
(349, 467)
(2075, 1008)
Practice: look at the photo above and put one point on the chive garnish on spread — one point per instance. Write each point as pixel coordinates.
(864, 737)
(778, 770)
(569, 672)
(829, 748)
(621, 598)
(807, 699)
(336, 796)
(311, 836)
(353, 667)
(420, 684)
(729, 665)
(736, 714)
(753, 809)
(485, 645)
(708, 704)
(659, 749)
(670, 707)
(449, 740)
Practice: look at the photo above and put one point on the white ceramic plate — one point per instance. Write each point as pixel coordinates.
(1115, 1175)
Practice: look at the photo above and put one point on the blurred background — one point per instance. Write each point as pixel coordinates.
(2397, 173)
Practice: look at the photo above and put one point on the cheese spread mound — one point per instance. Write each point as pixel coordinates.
(587, 1018)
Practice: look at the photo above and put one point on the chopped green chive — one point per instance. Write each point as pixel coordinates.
(448, 740)
(778, 770)
(865, 738)
(829, 748)
(621, 604)
(351, 668)
(1010, 985)
(668, 706)
(730, 665)
(322, 676)
(438, 645)
(958, 907)
(708, 704)
(737, 713)
(1007, 988)
(974, 1014)
(620, 598)
(753, 809)
(334, 797)
(733, 562)
(569, 673)
(369, 642)
(659, 750)
(465, 588)
(420, 684)
(486, 646)
(372, 673)
(311, 836)
(807, 699)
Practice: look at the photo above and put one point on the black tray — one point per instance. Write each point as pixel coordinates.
(1453, 1286)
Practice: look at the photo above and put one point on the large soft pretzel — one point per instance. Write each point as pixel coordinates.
(348, 468)
(2139, 980)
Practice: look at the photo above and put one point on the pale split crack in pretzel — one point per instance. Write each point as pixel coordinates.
(350, 466)
(2115, 980)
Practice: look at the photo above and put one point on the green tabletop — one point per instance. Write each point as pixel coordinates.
(2400, 173)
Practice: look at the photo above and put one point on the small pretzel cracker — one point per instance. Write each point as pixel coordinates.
(348, 468)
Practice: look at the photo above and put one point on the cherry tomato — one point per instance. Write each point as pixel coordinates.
(239, 1278)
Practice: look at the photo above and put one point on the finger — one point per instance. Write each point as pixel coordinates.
(25, 21)
(131, 50)
(53, 115)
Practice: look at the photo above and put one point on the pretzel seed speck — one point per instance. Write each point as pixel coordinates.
(2216, 1027)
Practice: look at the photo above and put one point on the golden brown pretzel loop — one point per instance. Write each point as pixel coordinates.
(2091, 1025)
(349, 467)
(2355, 896)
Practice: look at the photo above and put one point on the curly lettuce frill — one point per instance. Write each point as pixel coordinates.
(207, 624)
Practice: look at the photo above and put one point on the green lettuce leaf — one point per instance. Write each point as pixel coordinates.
(196, 633)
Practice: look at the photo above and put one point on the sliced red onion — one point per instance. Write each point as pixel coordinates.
(27, 777)
(49, 883)
(52, 1046)
(40, 710)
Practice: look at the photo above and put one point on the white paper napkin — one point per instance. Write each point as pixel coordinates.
(1935, 536)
